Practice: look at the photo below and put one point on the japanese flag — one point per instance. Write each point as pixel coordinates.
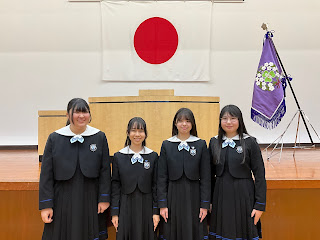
(156, 40)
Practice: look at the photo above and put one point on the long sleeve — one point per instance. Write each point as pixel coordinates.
(213, 168)
(46, 191)
(205, 178)
(116, 187)
(154, 188)
(162, 178)
(258, 170)
(105, 174)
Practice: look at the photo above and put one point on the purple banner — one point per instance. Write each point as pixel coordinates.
(268, 104)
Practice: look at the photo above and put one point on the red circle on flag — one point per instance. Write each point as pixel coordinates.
(156, 40)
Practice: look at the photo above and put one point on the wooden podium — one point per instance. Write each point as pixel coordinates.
(157, 107)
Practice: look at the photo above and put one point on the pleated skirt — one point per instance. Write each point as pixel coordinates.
(233, 201)
(136, 217)
(184, 208)
(75, 212)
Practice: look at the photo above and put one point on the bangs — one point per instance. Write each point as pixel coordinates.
(232, 110)
(137, 125)
(184, 115)
(80, 107)
(232, 114)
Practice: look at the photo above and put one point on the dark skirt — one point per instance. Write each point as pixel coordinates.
(233, 201)
(136, 217)
(75, 210)
(184, 208)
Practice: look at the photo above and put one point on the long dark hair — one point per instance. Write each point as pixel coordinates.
(77, 104)
(184, 113)
(233, 111)
(138, 123)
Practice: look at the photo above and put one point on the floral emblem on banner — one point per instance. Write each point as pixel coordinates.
(268, 77)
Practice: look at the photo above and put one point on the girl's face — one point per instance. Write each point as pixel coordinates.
(184, 126)
(79, 119)
(137, 136)
(230, 124)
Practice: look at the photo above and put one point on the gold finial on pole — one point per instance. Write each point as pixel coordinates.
(264, 26)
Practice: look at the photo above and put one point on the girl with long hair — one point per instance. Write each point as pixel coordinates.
(184, 181)
(238, 201)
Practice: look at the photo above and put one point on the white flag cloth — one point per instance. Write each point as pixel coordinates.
(190, 60)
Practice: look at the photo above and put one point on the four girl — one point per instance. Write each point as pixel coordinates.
(75, 181)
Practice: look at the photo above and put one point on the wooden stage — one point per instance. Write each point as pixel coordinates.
(292, 198)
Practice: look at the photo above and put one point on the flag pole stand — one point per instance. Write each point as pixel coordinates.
(297, 144)
(300, 113)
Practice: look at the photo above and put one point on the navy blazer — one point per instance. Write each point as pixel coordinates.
(126, 177)
(59, 162)
(174, 163)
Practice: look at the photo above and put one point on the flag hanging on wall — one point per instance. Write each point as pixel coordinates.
(268, 103)
(156, 40)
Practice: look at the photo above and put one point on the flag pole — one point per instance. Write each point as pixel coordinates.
(265, 27)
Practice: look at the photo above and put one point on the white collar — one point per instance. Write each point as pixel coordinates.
(66, 131)
(235, 137)
(176, 139)
(127, 150)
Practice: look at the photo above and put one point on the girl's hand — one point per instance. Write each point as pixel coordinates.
(164, 213)
(102, 206)
(257, 214)
(203, 214)
(156, 220)
(46, 215)
(115, 222)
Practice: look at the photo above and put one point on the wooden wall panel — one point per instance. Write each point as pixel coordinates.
(291, 214)
(48, 122)
(20, 218)
(19, 215)
(156, 107)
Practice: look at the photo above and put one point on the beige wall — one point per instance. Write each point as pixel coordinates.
(50, 51)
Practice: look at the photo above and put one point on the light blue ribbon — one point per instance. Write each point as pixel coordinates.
(136, 158)
(183, 145)
(228, 142)
(76, 138)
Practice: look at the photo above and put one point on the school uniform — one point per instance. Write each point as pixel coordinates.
(184, 188)
(75, 177)
(134, 193)
(235, 192)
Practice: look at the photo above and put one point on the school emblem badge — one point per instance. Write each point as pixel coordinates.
(93, 147)
(146, 164)
(239, 149)
(193, 151)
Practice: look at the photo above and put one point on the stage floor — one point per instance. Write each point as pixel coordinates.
(19, 169)
(293, 186)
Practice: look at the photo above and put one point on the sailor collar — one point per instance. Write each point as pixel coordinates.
(176, 139)
(127, 150)
(235, 137)
(66, 131)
